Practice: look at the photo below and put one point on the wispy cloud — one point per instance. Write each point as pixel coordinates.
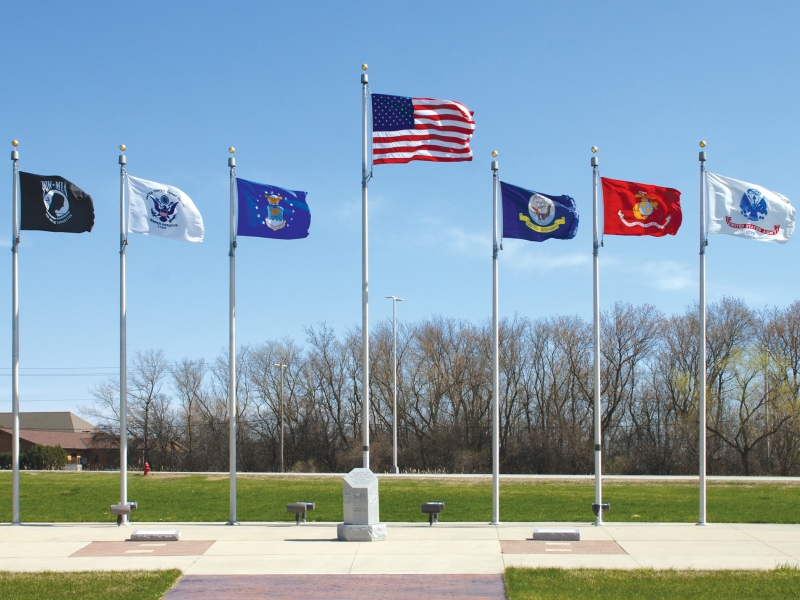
(668, 275)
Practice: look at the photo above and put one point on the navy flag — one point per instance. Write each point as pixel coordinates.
(51, 203)
(269, 211)
(537, 217)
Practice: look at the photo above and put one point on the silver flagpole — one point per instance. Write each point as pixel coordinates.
(701, 369)
(495, 356)
(232, 351)
(123, 345)
(598, 415)
(15, 342)
(364, 269)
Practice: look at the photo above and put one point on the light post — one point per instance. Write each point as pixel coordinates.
(394, 300)
(282, 366)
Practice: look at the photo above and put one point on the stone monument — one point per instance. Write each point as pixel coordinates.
(361, 518)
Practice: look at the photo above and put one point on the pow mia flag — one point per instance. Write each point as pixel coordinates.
(51, 203)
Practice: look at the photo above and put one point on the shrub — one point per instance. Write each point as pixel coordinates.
(43, 458)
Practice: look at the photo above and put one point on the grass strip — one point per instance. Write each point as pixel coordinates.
(87, 585)
(602, 584)
(85, 497)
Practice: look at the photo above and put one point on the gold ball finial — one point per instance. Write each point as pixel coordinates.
(703, 144)
(14, 143)
(594, 149)
(494, 153)
(364, 67)
(122, 147)
(231, 149)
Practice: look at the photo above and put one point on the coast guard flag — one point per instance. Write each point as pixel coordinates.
(270, 211)
(748, 210)
(537, 217)
(406, 129)
(51, 203)
(631, 208)
(162, 210)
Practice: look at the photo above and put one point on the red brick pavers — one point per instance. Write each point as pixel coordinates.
(339, 587)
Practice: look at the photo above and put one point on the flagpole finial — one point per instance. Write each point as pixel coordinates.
(494, 153)
(594, 149)
(231, 149)
(703, 144)
(14, 143)
(122, 147)
(364, 67)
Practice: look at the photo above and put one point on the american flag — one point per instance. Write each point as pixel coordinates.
(406, 129)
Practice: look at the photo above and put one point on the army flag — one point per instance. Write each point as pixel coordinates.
(406, 129)
(631, 208)
(537, 217)
(162, 210)
(52, 203)
(270, 211)
(748, 210)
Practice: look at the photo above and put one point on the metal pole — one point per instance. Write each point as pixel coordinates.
(395, 300)
(15, 341)
(123, 344)
(364, 271)
(598, 415)
(701, 369)
(282, 366)
(232, 350)
(495, 356)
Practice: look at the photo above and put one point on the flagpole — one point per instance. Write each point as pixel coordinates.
(364, 270)
(15, 342)
(701, 369)
(598, 440)
(232, 351)
(123, 345)
(495, 356)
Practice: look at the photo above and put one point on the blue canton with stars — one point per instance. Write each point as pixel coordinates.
(270, 211)
(392, 113)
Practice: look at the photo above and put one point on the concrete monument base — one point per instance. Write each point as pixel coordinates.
(361, 533)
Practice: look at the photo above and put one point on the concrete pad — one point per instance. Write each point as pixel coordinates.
(424, 564)
(789, 548)
(49, 550)
(687, 532)
(431, 548)
(571, 561)
(307, 549)
(319, 564)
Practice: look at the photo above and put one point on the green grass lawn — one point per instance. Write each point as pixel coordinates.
(87, 585)
(600, 584)
(85, 497)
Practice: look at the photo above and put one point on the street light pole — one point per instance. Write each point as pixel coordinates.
(395, 300)
(282, 366)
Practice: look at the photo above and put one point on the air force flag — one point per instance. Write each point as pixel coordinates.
(748, 210)
(269, 211)
(537, 217)
(162, 210)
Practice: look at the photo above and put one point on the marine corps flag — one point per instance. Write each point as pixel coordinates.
(631, 208)
(51, 203)
(537, 217)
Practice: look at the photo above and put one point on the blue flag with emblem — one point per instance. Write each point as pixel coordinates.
(537, 217)
(270, 211)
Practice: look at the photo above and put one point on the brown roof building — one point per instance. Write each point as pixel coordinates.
(65, 429)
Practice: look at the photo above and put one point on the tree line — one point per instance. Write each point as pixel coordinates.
(178, 409)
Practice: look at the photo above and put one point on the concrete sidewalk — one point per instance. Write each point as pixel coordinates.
(411, 548)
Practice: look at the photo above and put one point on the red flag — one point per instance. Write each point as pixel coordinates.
(631, 208)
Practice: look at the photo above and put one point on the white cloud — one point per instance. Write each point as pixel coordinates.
(668, 275)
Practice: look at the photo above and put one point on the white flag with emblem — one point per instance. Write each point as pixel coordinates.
(163, 210)
(748, 210)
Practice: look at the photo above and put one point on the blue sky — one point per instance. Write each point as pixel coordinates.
(180, 82)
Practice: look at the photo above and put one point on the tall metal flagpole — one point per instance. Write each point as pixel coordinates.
(364, 269)
(701, 369)
(232, 351)
(394, 300)
(123, 345)
(15, 342)
(598, 440)
(495, 356)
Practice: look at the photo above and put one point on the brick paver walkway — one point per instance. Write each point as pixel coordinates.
(339, 587)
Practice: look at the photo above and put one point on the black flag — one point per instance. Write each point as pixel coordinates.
(51, 203)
